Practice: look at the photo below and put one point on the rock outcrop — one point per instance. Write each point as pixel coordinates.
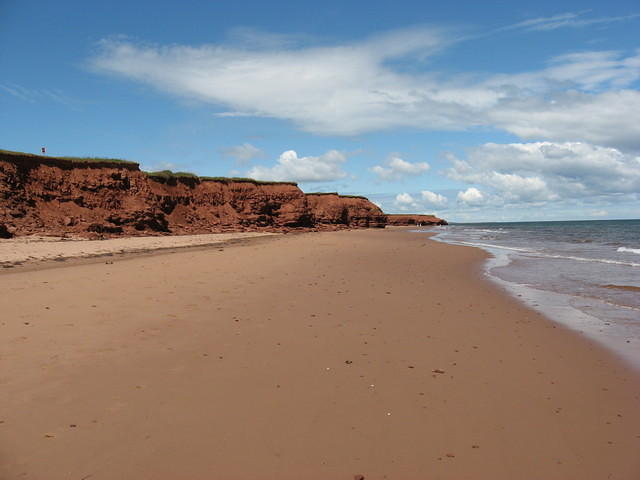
(405, 220)
(101, 197)
(344, 210)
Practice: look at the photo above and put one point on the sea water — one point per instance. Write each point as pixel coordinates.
(585, 274)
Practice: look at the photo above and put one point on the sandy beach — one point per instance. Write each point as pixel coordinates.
(36, 249)
(374, 354)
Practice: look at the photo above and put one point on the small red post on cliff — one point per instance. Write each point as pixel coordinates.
(43, 150)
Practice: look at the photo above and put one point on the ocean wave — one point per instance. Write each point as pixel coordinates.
(629, 250)
(486, 230)
(488, 245)
(592, 260)
(537, 253)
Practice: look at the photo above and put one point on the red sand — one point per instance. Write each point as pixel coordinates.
(315, 356)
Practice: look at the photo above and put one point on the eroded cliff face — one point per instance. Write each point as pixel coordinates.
(47, 195)
(331, 209)
(405, 220)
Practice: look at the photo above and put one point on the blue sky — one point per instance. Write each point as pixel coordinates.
(471, 110)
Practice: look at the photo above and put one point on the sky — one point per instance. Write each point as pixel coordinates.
(473, 111)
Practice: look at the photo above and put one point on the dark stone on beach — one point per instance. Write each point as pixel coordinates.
(348, 362)
(437, 370)
(102, 228)
(358, 477)
(5, 232)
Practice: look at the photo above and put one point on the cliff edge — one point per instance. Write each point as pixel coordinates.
(331, 209)
(108, 197)
(409, 219)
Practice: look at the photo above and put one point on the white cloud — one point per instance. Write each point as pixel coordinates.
(434, 199)
(32, 95)
(600, 119)
(291, 168)
(598, 213)
(590, 71)
(471, 196)
(405, 201)
(544, 171)
(397, 169)
(243, 154)
(423, 203)
(353, 88)
(565, 20)
(155, 167)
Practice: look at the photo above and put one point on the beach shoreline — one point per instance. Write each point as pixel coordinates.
(321, 355)
(608, 321)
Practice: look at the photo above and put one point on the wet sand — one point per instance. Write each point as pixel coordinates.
(317, 356)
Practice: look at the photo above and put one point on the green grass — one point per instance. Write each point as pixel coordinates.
(244, 180)
(164, 174)
(353, 196)
(336, 193)
(82, 160)
(95, 160)
(169, 174)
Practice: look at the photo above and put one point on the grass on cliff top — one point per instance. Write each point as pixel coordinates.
(353, 196)
(245, 180)
(170, 174)
(69, 159)
(166, 174)
(336, 193)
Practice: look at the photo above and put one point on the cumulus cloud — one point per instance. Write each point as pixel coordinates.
(353, 87)
(471, 196)
(422, 203)
(396, 169)
(545, 171)
(434, 199)
(405, 201)
(243, 154)
(292, 168)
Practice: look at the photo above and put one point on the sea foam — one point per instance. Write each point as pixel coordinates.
(629, 250)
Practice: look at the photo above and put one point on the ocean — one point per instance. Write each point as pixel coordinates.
(583, 274)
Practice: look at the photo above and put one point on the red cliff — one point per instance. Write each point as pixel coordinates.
(96, 197)
(345, 210)
(404, 220)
